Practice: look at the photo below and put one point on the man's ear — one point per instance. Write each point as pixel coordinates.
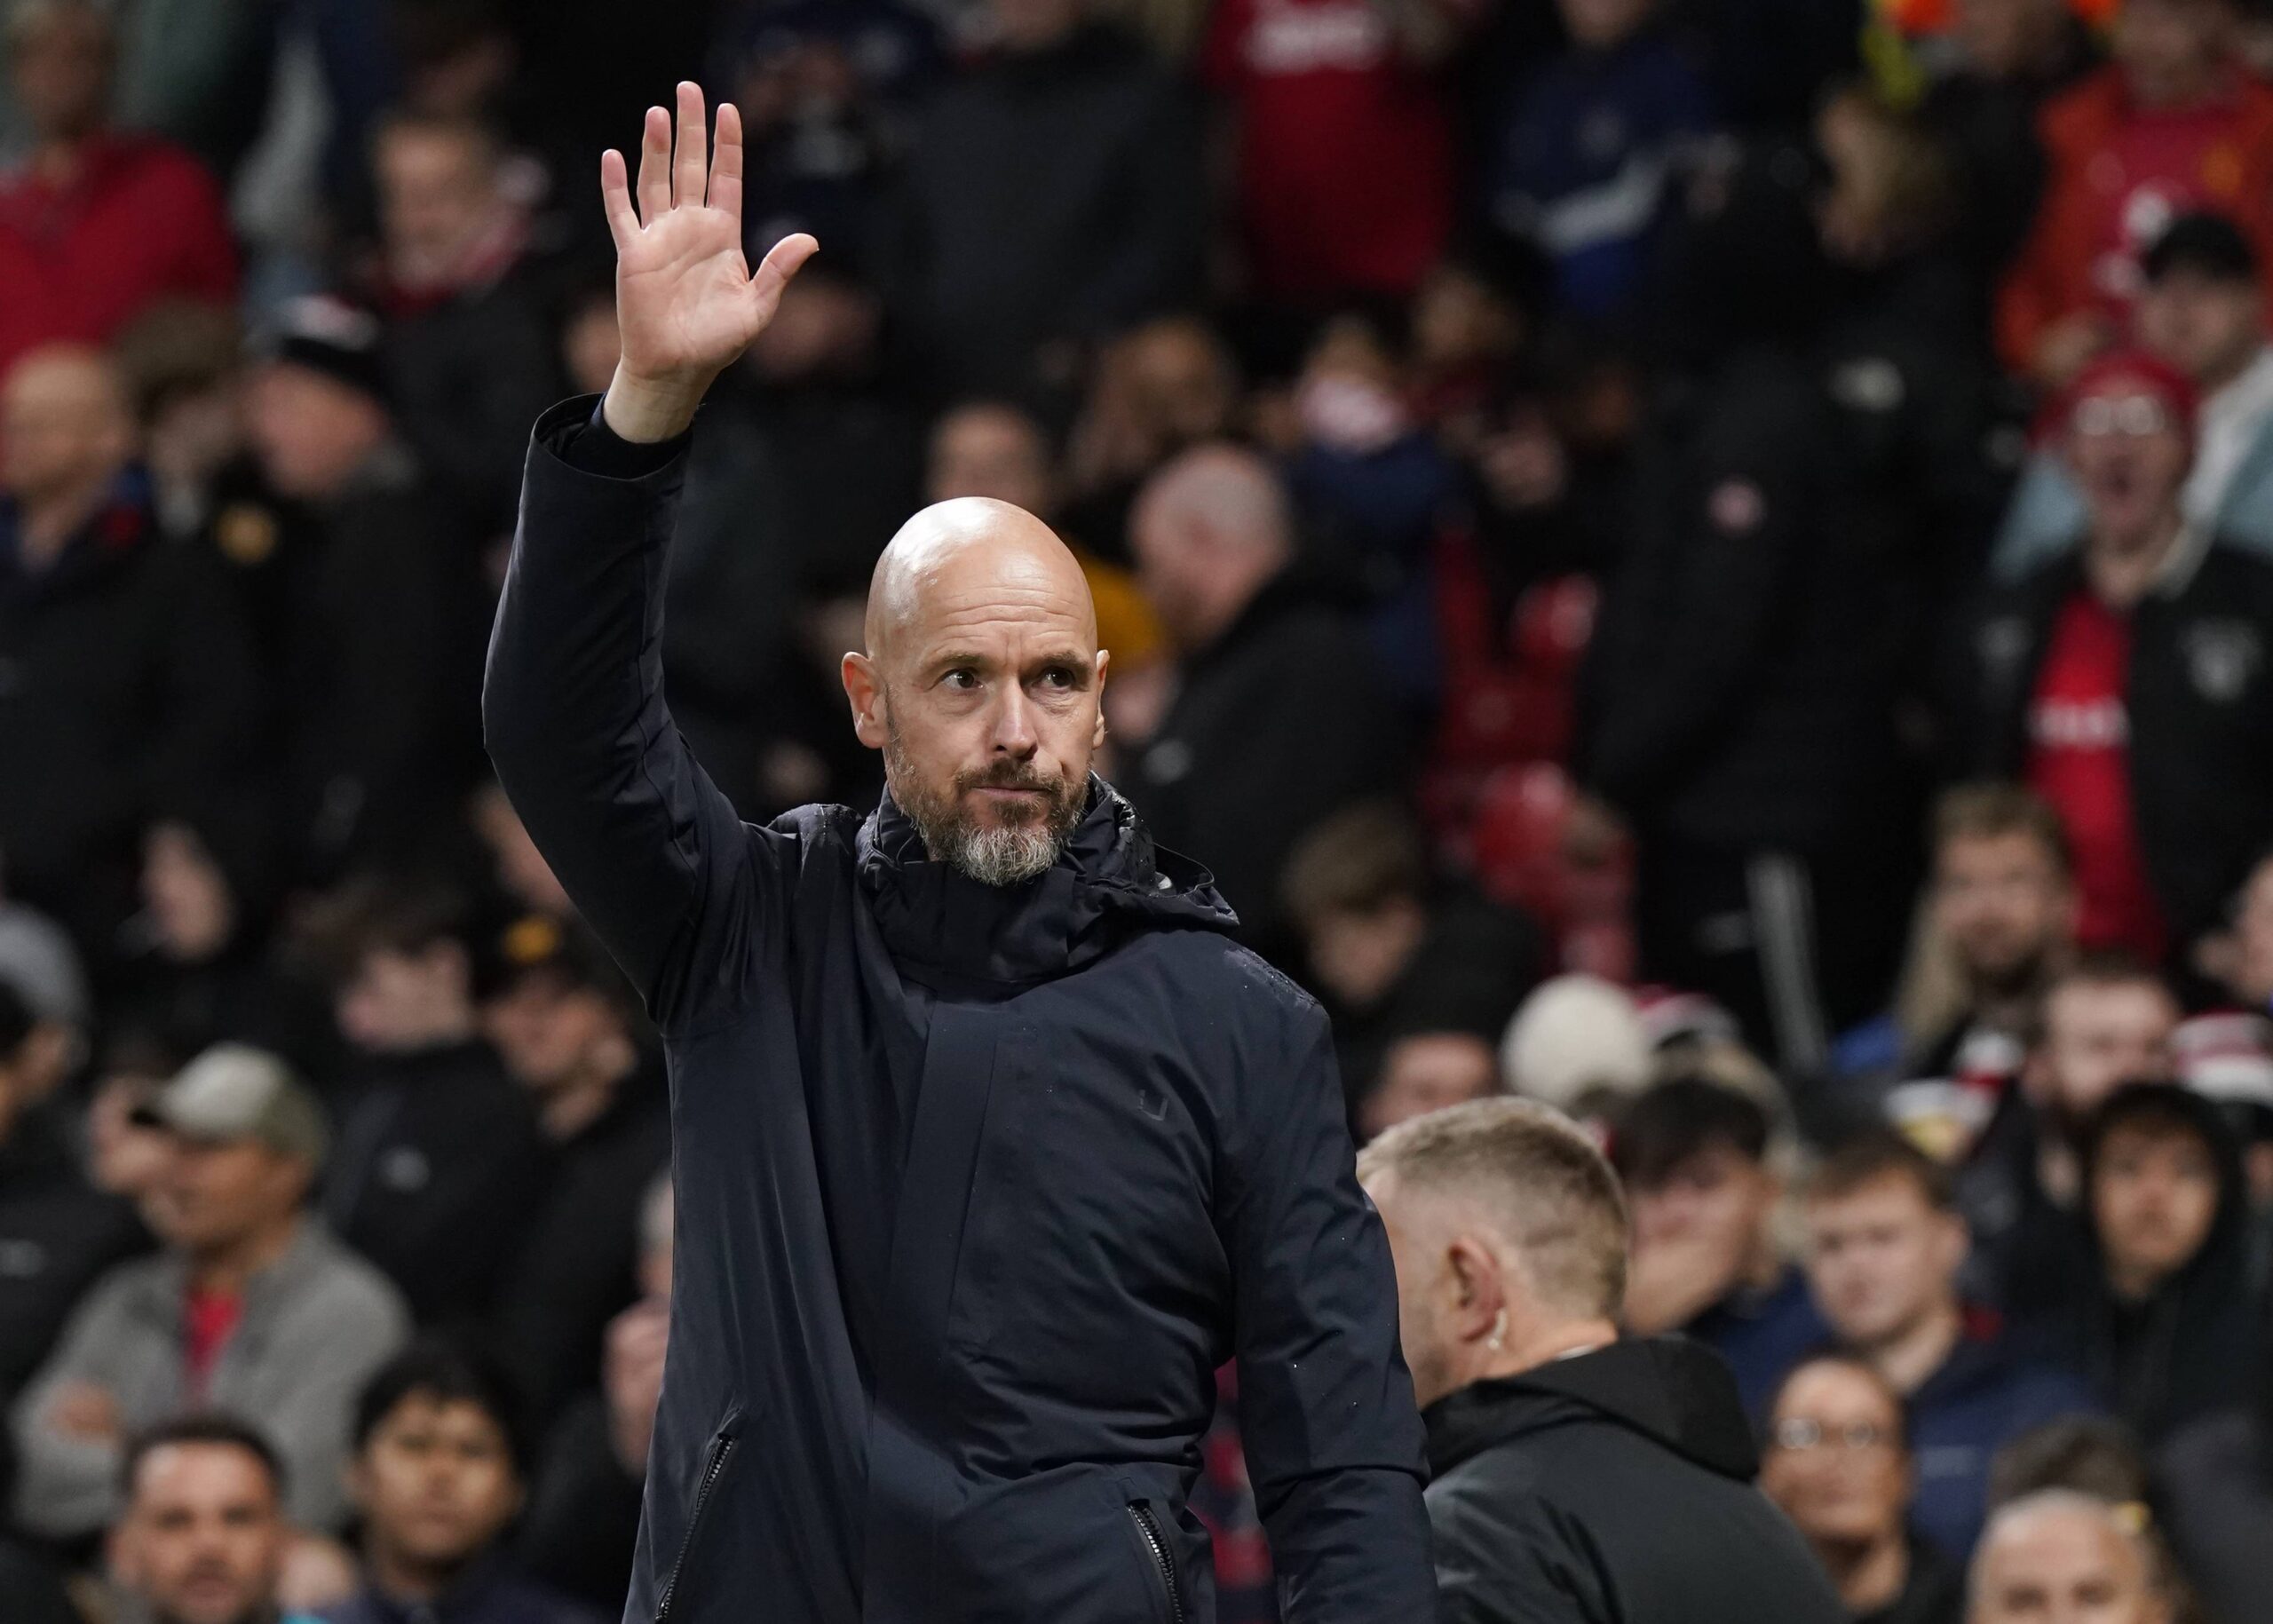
(865, 693)
(1479, 1294)
(1096, 736)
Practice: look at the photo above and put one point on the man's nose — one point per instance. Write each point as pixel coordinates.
(1013, 733)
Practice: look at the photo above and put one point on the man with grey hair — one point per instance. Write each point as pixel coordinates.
(990, 1144)
(1276, 717)
(1576, 1476)
(2057, 1557)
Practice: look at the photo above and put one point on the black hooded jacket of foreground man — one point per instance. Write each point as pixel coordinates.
(1612, 1488)
(977, 1186)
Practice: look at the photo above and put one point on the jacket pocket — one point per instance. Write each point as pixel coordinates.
(714, 1463)
(1160, 1556)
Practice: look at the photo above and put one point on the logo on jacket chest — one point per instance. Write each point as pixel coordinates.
(2221, 658)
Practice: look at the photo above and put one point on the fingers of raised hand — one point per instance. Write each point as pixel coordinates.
(615, 199)
(726, 162)
(654, 166)
(690, 172)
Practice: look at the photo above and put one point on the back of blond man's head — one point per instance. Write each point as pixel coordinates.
(1535, 1179)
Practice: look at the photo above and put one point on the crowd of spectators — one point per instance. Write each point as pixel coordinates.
(1707, 563)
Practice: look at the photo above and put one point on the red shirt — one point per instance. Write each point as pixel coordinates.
(2079, 760)
(142, 222)
(1345, 152)
(209, 1318)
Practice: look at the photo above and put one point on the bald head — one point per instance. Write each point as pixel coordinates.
(66, 425)
(1210, 530)
(981, 683)
(972, 551)
(2058, 1554)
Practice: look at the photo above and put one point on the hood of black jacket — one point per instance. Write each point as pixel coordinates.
(1675, 1393)
(1111, 882)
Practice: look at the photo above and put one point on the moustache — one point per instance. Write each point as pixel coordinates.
(1011, 775)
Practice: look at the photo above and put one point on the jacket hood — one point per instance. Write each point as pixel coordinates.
(1673, 1392)
(1109, 883)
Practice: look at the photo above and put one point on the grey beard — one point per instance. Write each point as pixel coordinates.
(1006, 856)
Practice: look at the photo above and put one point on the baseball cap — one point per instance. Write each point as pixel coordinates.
(2208, 244)
(233, 1092)
(328, 336)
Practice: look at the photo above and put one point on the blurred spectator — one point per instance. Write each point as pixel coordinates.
(522, 874)
(2105, 1021)
(1573, 1476)
(1591, 147)
(252, 1307)
(438, 1479)
(183, 365)
(57, 1232)
(2010, 55)
(96, 225)
(1885, 1244)
(2001, 920)
(2160, 1306)
(377, 613)
(1753, 647)
(1051, 197)
(2093, 1454)
(568, 1028)
(2227, 1059)
(2061, 1555)
(2201, 307)
(1278, 720)
(1393, 952)
(583, 1513)
(2127, 684)
(468, 360)
(195, 961)
(1158, 390)
(1693, 1157)
(128, 673)
(1344, 139)
(125, 1157)
(1839, 1465)
(40, 967)
(2172, 124)
(1426, 1071)
(439, 1160)
(2215, 1482)
(1578, 1043)
(202, 1537)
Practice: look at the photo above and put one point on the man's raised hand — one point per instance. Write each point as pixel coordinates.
(685, 301)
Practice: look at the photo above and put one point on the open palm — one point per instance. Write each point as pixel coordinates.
(685, 300)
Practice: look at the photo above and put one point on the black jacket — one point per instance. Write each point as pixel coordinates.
(2200, 703)
(1614, 1487)
(57, 1233)
(1278, 724)
(976, 1187)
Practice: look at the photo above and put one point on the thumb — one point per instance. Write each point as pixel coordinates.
(782, 263)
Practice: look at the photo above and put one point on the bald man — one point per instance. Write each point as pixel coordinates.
(991, 1144)
(124, 672)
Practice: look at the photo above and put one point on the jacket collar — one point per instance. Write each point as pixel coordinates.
(1110, 883)
(311, 1252)
(1673, 1392)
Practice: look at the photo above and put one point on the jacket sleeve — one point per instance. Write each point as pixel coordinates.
(65, 1485)
(1504, 1558)
(573, 711)
(1326, 1406)
(325, 1355)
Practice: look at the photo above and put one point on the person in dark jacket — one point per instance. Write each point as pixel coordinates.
(377, 588)
(57, 1232)
(127, 675)
(1278, 718)
(1050, 198)
(989, 1143)
(2214, 1483)
(439, 1164)
(438, 1477)
(2162, 1311)
(569, 1032)
(1573, 1476)
(2128, 682)
(1838, 1464)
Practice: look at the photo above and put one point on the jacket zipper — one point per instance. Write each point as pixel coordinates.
(721, 1448)
(1148, 1529)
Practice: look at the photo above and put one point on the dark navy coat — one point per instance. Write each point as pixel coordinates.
(977, 1186)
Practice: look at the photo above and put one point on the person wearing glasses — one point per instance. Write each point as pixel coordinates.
(2129, 681)
(1838, 1463)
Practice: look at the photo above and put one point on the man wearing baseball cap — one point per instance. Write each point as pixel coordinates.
(250, 1308)
(2129, 681)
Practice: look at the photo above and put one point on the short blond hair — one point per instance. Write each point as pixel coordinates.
(1549, 1193)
